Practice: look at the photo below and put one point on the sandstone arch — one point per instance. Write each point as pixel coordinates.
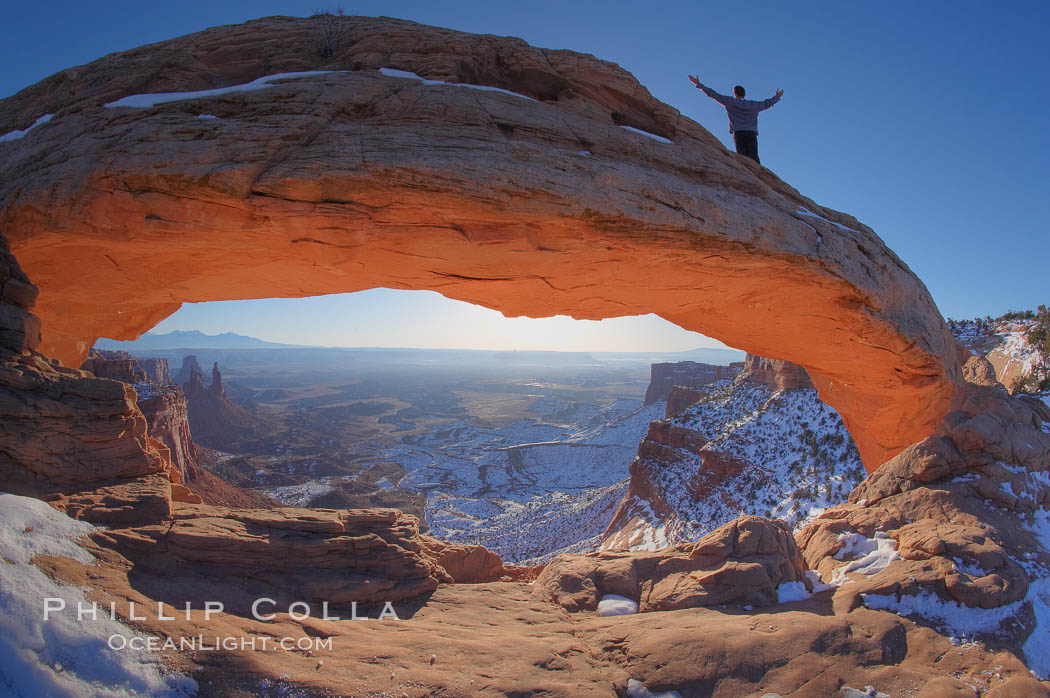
(352, 180)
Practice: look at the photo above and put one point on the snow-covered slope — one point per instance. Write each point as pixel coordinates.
(1007, 343)
(62, 656)
(525, 459)
(529, 490)
(776, 453)
(528, 532)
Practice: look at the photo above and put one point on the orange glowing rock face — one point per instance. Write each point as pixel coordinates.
(353, 180)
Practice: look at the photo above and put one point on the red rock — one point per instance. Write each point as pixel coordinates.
(742, 562)
(780, 375)
(215, 419)
(218, 492)
(1020, 687)
(180, 493)
(482, 196)
(664, 436)
(167, 415)
(880, 357)
(716, 468)
(640, 502)
(189, 367)
(466, 563)
(68, 428)
(338, 556)
(123, 502)
(115, 365)
(157, 371)
(19, 328)
(681, 397)
(664, 377)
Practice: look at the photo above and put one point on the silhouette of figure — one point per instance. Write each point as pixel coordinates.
(743, 115)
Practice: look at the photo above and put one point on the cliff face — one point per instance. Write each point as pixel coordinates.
(167, 415)
(162, 405)
(165, 408)
(664, 377)
(762, 444)
(779, 375)
(77, 440)
(69, 428)
(115, 365)
(527, 200)
(157, 371)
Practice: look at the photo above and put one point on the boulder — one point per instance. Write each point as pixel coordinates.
(740, 563)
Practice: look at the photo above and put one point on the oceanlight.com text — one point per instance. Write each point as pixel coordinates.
(230, 643)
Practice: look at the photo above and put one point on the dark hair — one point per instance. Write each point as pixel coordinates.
(739, 91)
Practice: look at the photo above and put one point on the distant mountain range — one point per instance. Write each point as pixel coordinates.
(194, 339)
(190, 339)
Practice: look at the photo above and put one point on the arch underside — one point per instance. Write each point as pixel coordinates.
(356, 180)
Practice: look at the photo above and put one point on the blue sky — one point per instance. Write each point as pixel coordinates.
(925, 120)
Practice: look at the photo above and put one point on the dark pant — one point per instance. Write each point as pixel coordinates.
(747, 144)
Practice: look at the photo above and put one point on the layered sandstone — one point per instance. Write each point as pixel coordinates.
(493, 639)
(167, 414)
(961, 501)
(157, 371)
(330, 555)
(664, 377)
(358, 179)
(67, 428)
(163, 406)
(115, 365)
(681, 397)
(684, 460)
(778, 374)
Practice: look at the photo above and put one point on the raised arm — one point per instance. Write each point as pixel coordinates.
(767, 103)
(721, 99)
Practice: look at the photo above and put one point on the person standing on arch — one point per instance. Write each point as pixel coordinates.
(743, 115)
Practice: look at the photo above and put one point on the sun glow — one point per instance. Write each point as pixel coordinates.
(384, 317)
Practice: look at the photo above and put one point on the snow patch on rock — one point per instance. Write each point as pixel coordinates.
(792, 591)
(15, 135)
(637, 689)
(615, 605)
(393, 73)
(646, 133)
(810, 214)
(62, 656)
(871, 555)
(151, 100)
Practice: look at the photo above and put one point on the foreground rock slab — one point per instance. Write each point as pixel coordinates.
(494, 639)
